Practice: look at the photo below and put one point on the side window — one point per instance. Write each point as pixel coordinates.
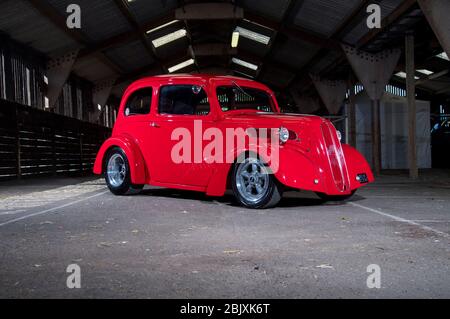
(139, 102)
(244, 98)
(183, 100)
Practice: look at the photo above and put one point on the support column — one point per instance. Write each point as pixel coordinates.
(376, 137)
(436, 12)
(58, 71)
(305, 105)
(102, 91)
(332, 93)
(411, 96)
(351, 114)
(374, 72)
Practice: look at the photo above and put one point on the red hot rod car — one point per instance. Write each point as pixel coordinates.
(213, 133)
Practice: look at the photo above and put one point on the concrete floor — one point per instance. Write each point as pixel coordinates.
(172, 244)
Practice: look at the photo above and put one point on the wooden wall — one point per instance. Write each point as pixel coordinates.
(38, 143)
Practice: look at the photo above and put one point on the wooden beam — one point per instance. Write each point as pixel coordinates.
(126, 37)
(125, 10)
(209, 11)
(433, 76)
(295, 32)
(292, 9)
(411, 97)
(151, 68)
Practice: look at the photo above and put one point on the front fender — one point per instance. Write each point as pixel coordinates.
(298, 170)
(356, 164)
(290, 167)
(135, 159)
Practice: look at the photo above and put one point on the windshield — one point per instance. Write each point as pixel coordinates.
(235, 97)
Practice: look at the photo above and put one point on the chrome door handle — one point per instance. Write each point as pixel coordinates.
(154, 124)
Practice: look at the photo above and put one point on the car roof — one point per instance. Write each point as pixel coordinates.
(202, 77)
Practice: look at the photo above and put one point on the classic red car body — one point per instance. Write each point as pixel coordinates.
(316, 161)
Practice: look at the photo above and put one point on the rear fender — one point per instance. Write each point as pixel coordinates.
(134, 156)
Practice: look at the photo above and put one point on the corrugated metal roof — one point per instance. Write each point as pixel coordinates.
(93, 69)
(173, 48)
(26, 25)
(100, 19)
(387, 7)
(437, 85)
(324, 16)
(131, 56)
(147, 10)
(326, 61)
(294, 52)
(276, 76)
(268, 8)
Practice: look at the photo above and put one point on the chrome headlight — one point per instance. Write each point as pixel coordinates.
(284, 134)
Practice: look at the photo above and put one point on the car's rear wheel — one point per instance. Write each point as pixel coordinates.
(253, 184)
(335, 198)
(117, 173)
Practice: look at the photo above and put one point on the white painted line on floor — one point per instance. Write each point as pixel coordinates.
(51, 209)
(12, 212)
(430, 221)
(412, 197)
(402, 220)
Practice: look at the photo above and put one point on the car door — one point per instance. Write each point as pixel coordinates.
(183, 114)
(136, 116)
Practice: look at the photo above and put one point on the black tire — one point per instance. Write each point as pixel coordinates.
(271, 195)
(119, 186)
(335, 198)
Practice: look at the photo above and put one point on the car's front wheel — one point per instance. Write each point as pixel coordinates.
(117, 173)
(253, 184)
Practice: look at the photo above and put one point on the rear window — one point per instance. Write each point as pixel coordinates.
(139, 102)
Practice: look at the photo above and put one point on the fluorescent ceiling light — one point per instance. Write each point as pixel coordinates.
(245, 64)
(255, 36)
(162, 26)
(443, 56)
(425, 71)
(169, 38)
(181, 65)
(403, 75)
(235, 39)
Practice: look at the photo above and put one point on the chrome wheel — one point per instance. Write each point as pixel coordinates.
(116, 170)
(252, 180)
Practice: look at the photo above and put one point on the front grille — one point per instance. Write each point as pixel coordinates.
(336, 157)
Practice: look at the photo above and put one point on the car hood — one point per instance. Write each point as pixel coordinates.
(274, 119)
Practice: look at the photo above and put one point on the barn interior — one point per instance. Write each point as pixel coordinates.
(383, 80)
